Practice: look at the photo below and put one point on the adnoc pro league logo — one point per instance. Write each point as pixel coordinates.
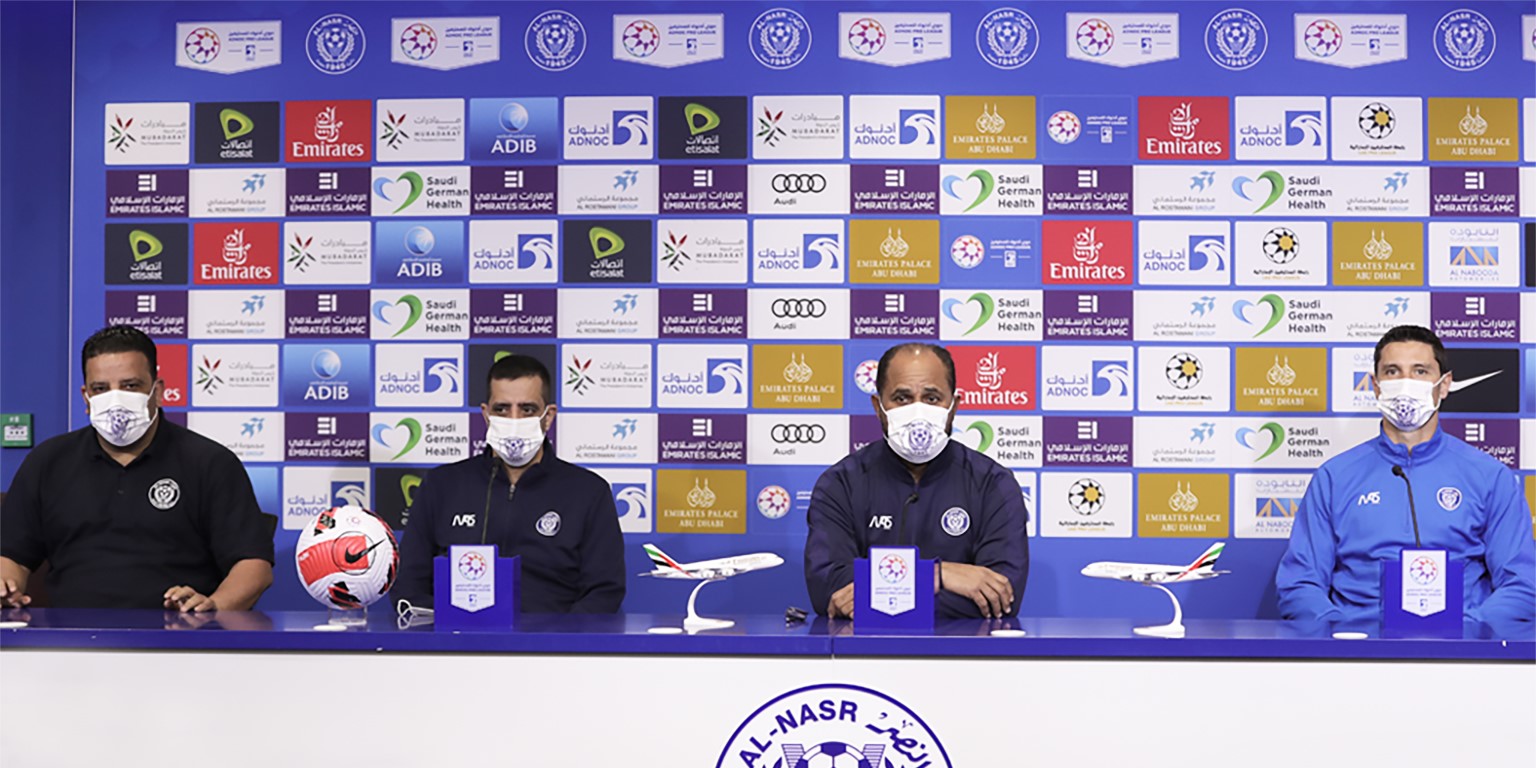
(834, 726)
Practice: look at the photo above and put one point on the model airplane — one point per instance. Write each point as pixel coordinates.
(706, 572)
(1146, 573)
(1152, 575)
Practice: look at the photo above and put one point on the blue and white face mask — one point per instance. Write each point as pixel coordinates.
(917, 431)
(121, 417)
(515, 441)
(1407, 403)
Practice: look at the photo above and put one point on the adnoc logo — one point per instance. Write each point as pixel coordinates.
(832, 726)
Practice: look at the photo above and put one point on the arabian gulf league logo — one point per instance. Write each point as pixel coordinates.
(834, 726)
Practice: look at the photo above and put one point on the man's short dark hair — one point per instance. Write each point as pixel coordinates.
(915, 346)
(517, 367)
(120, 338)
(1414, 333)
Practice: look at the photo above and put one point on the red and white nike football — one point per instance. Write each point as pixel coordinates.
(347, 557)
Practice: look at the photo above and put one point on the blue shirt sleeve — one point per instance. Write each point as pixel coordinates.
(419, 546)
(1305, 576)
(1509, 553)
(1002, 546)
(600, 588)
(831, 544)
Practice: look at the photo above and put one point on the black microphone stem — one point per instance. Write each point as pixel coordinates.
(1412, 510)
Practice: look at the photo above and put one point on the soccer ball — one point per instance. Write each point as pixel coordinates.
(833, 754)
(347, 557)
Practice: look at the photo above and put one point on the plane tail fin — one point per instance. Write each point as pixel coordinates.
(1207, 559)
(660, 559)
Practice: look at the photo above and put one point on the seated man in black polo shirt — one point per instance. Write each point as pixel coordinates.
(133, 511)
(557, 516)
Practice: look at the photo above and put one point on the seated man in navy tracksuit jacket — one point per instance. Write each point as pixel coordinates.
(558, 517)
(916, 488)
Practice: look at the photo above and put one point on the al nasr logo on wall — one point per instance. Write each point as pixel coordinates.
(833, 726)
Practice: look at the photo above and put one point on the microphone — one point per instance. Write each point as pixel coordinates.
(901, 523)
(1397, 470)
(485, 517)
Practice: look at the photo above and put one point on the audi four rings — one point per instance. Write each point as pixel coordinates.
(798, 433)
(799, 182)
(798, 307)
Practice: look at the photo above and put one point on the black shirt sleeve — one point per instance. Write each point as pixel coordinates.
(414, 583)
(237, 528)
(831, 544)
(602, 583)
(21, 531)
(1002, 546)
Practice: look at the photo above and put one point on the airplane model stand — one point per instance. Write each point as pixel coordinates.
(1173, 629)
(695, 622)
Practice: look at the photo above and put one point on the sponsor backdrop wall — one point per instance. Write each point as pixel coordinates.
(1159, 238)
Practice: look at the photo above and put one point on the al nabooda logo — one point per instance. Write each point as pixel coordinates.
(388, 436)
(409, 301)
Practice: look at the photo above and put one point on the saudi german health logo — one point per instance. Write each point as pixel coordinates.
(834, 726)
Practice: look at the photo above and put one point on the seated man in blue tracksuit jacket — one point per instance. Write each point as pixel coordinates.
(916, 488)
(558, 517)
(1356, 511)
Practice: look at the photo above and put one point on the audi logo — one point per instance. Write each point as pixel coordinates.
(799, 182)
(798, 433)
(798, 307)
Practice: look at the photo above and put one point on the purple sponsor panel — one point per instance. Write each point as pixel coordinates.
(327, 314)
(1475, 316)
(1087, 314)
(1087, 441)
(863, 430)
(703, 438)
(327, 191)
(894, 314)
(698, 313)
(512, 312)
(704, 189)
(1499, 438)
(161, 314)
(895, 188)
(327, 436)
(146, 194)
(1088, 189)
(1462, 191)
(513, 190)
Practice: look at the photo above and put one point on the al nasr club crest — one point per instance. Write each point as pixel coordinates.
(833, 726)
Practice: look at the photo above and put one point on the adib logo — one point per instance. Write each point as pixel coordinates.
(1250, 314)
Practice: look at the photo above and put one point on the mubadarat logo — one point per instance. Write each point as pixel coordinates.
(831, 726)
(1007, 38)
(335, 44)
(780, 38)
(146, 253)
(237, 132)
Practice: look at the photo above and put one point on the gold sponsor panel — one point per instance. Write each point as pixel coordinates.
(797, 376)
(893, 251)
(701, 501)
(1474, 130)
(1530, 500)
(1378, 253)
(990, 127)
(1195, 506)
(1282, 379)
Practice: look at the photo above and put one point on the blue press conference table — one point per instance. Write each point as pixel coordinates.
(604, 690)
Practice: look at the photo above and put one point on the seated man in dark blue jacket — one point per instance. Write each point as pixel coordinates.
(917, 488)
(557, 516)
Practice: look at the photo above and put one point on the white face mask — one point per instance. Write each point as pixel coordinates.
(121, 417)
(1407, 403)
(516, 441)
(917, 432)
